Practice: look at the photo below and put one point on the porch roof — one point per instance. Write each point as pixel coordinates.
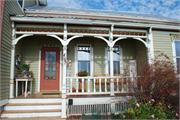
(54, 9)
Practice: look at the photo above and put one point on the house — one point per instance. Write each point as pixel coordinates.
(58, 42)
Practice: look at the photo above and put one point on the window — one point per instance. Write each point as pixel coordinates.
(177, 54)
(20, 2)
(84, 58)
(116, 60)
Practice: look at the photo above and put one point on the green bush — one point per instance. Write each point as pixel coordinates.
(149, 110)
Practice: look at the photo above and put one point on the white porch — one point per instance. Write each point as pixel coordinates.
(95, 85)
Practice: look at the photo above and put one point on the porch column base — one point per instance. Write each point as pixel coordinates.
(64, 108)
(112, 87)
(11, 94)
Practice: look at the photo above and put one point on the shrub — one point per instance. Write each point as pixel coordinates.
(149, 110)
(157, 80)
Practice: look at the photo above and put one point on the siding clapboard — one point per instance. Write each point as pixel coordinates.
(29, 3)
(10, 7)
(162, 42)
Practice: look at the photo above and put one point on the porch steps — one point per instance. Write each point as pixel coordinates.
(25, 108)
(35, 118)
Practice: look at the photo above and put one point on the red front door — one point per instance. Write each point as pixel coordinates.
(50, 61)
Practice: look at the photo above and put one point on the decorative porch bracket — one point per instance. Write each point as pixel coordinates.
(15, 41)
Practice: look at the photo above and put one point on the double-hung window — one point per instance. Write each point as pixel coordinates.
(177, 52)
(84, 58)
(116, 60)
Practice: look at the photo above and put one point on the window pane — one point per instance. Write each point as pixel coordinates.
(178, 65)
(116, 68)
(20, 2)
(50, 65)
(177, 46)
(84, 65)
(84, 53)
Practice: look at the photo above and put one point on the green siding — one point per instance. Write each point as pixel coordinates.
(10, 7)
(99, 56)
(29, 3)
(162, 42)
(31, 49)
(140, 53)
(128, 51)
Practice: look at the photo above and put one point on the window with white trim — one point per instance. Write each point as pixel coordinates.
(116, 60)
(177, 52)
(21, 2)
(84, 58)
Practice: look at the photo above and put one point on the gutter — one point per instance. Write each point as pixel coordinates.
(49, 20)
(91, 22)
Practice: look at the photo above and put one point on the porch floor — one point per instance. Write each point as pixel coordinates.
(40, 96)
(98, 95)
(37, 96)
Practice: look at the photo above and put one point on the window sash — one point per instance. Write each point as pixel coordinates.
(84, 58)
(177, 53)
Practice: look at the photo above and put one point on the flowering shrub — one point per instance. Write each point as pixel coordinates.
(82, 73)
(157, 80)
(25, 67)
(149, 110)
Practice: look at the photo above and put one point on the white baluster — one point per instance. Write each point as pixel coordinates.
(94, 85)
(76, 85)
(122, 85)
(105, 85)
(100, 85)
(82, 85)
(71, 86)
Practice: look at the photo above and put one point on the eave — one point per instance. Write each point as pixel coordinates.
(93, 22)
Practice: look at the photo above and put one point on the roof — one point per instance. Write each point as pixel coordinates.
(94, 11)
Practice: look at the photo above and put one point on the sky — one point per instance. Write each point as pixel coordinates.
(166, 8)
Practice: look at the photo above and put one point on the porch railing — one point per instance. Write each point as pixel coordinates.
(98, 85)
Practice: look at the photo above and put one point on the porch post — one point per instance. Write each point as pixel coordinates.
(150, 53)
(11, 94)
(111, 70)
(64, 74)
(11, 91)
(111, 60)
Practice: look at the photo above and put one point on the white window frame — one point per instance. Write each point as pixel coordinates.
(91, 58)
(120, 62)
(22, 8)
(174, 53)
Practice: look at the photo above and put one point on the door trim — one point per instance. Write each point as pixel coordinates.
(39, 73)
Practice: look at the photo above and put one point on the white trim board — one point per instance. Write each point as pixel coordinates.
(3, 102)
(154, 31)
(39, 77)
(60, 75)
(174, 52)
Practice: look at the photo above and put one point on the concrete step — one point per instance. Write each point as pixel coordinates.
(41, 100)
(32, 106)
(35, 118)
(30, 113)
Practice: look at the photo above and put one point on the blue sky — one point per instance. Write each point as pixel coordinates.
(166, 8)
